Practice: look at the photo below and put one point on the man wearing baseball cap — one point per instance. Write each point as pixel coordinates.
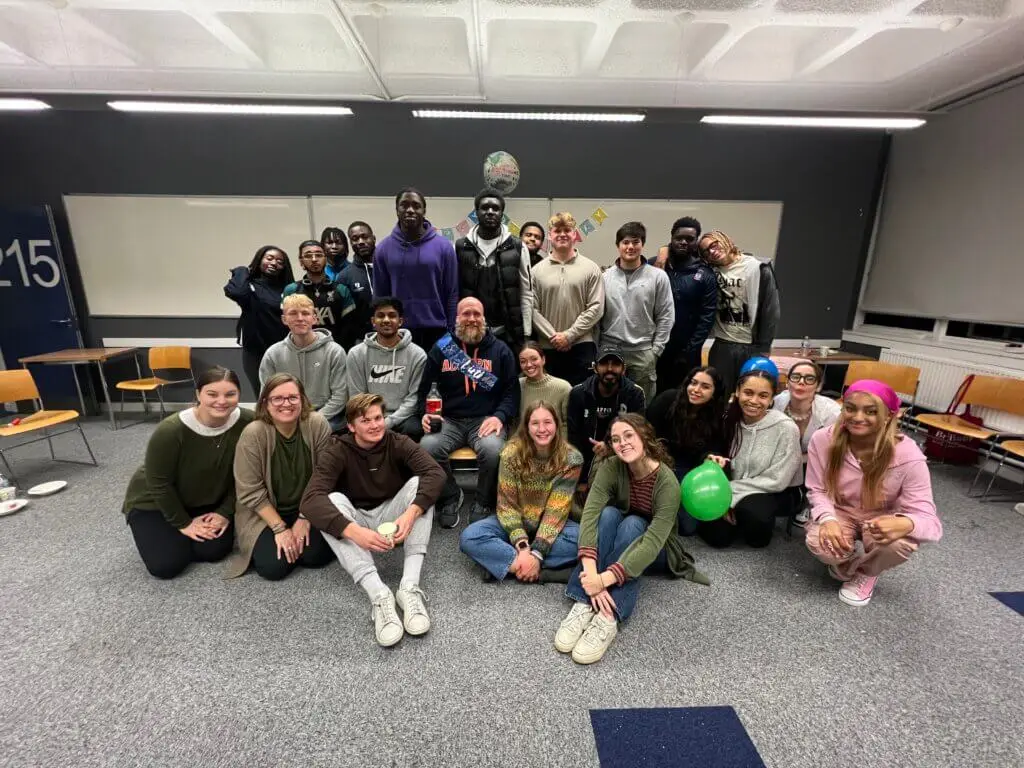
(593, 404)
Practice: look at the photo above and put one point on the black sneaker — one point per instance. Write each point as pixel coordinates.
(478, 512)
(448, 512)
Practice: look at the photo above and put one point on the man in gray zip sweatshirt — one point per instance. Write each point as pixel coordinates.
(311, 356)
(638, 308)
(387, 363)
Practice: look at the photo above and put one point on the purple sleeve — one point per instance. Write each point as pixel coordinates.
(381, 276)
(449, 281)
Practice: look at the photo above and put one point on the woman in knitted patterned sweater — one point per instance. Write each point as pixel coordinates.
(537, 476)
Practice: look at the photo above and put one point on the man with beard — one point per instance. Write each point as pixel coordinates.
(357, 276)
(388, 364)
(532, 235)
(332, 301)
(418, 266)
(695, 295)
(594, 403)
(494, 267)
(477, 378)
(748, 306)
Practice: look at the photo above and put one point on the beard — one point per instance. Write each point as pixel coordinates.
(470, 334)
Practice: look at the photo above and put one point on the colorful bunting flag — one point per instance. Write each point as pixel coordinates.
(448, 234)
(505, 219)
(587, 227)
(463, 227)
(599, 215)
(472, 217)
(576, 236)
(513, 228)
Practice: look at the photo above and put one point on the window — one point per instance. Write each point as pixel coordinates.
(1009, 334)
(900, 321)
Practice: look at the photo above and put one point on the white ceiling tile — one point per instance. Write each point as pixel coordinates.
(894, 52)
(523, 48)
(772, 53)
(831, 7)
(647, 49)
(298, 42)
(966, 8)
(167, 38)
(417, 46)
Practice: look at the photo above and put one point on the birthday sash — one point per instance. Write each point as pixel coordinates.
(475, 372)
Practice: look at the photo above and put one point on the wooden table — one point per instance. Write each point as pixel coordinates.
(835, 356)
(97, 356)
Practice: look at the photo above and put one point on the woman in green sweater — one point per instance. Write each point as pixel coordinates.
(180, 502)
(628, 525)
(536, 384)
(273, 463)
(537, 476)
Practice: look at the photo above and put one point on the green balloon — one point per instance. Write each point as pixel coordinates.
(705, 492)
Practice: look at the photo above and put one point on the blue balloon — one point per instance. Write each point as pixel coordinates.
(760, 364)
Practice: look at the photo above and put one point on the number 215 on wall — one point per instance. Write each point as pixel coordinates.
(44, 269)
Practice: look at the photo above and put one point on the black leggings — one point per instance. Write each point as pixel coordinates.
(251, 365)
(755, 519)
(166, 551)
(272, 568)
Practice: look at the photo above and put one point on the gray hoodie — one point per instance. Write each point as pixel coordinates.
(768, 457)
(394, 374)
(320, 367)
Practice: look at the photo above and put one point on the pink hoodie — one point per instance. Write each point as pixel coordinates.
(907, 487)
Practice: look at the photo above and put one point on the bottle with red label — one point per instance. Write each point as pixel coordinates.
(434, 400)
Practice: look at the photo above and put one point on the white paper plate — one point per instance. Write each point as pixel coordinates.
(45, 489)
(12, 506)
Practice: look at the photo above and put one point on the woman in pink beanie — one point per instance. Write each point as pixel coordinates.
(868, 483)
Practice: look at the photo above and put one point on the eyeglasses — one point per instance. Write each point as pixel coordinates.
(282, 399)
(803, 378)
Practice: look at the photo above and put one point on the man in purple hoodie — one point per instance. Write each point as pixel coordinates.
(415, 264)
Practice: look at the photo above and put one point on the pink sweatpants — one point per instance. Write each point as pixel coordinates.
(875, 558)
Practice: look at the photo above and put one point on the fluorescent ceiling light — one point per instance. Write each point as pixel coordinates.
(575, 117)
(208, 108)
(799, 121)
(23, 105)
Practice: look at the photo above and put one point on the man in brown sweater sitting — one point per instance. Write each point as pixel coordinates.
(372, 489)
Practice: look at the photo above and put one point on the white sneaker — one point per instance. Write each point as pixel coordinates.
(801, 518)
(385, 620)
(412, 601)
(595, 640)
(572, 627)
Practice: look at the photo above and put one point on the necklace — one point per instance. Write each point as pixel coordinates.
(801, 417)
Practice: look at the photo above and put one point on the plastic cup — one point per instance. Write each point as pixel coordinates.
(823, 351)
(388, 531)
(8, 493)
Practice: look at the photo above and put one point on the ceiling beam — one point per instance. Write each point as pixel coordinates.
(79, 21)
(720, 49)
(20, 55)
(478, 47)
(343, 26)
(597, 49)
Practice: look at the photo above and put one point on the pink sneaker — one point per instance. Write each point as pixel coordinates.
(858, 590)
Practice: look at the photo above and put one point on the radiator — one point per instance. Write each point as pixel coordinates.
(940, 378)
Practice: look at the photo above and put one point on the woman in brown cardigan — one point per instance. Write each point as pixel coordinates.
(274, 460)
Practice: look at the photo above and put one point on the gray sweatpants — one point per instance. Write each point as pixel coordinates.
(357, 561)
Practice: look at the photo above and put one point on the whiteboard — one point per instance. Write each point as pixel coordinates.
(753, 226)
(442, 212)
(170, 256)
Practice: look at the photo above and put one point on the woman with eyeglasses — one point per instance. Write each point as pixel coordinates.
(274, 460)
(808, 409)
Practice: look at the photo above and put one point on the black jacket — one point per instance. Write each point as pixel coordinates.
(260, 324)
(497, 287)
(581, 416)
(766, 324)
(357, 276)
(695, 295)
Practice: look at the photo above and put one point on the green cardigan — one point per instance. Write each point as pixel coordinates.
(611, 488)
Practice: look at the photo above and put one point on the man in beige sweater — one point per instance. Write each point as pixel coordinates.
(568, 303)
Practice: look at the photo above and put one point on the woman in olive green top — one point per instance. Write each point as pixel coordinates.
(628, 527)
(274, 461)
(180, 503)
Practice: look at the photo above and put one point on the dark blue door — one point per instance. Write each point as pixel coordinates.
(36, 311)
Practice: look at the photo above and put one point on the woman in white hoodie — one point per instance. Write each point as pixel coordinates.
(764, 456)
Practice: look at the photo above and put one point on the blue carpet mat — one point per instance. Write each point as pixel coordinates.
(684, 737)
(1013, 600)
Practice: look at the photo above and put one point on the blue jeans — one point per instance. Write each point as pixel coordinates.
(487, 543)
(615, 532)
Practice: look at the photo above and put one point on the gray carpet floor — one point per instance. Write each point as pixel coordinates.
(100, 664)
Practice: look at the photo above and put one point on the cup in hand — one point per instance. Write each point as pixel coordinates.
(388, 531)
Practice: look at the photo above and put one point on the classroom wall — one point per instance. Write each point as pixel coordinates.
(827, 181)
